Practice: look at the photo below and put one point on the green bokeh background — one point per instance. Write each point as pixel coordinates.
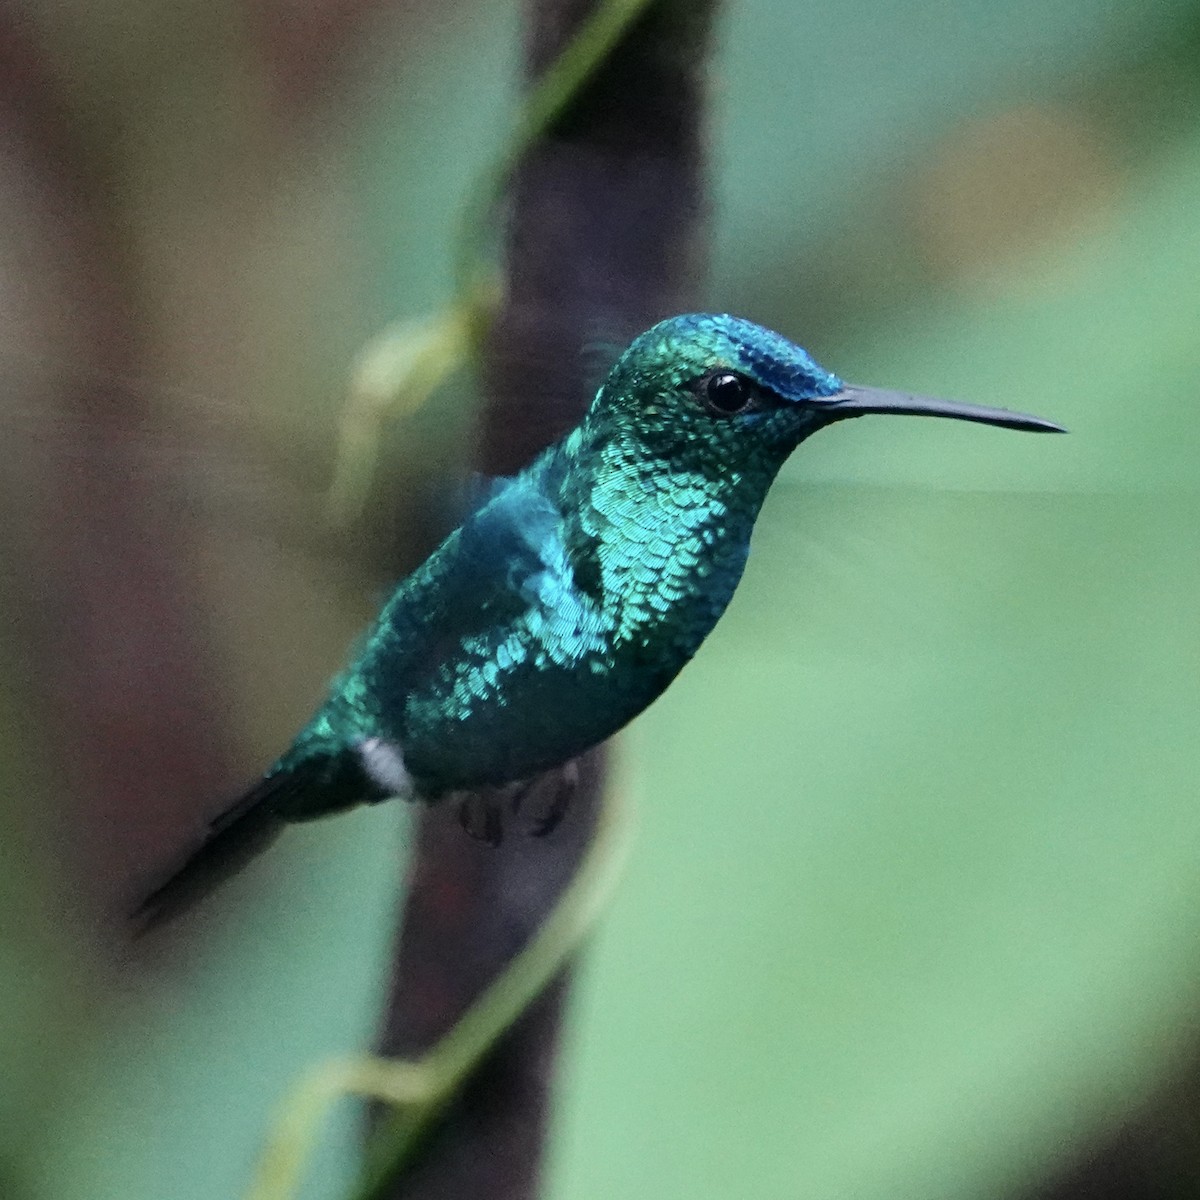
(913, 906)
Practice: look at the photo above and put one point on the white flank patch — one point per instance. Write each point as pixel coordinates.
(383, 761)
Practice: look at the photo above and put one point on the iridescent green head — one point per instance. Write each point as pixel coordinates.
(717, 392)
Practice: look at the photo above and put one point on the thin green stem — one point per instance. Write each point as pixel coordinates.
(418, 1090)
(453, 1059)
(398, 369)
(402, 367)
(546, 101)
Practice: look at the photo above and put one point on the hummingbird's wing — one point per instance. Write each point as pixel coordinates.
(484, 577)
(460, 628)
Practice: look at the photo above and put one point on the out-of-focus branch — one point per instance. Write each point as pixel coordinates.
(104, 614)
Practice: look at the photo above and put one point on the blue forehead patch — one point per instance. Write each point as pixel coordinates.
(771, 359)
(777, 363)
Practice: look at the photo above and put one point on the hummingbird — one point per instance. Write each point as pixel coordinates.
(568, 600)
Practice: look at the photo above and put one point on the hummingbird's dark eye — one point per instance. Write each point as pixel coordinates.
(726, 394)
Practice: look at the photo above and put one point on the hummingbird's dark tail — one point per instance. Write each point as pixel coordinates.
(233, 838)
(310, 781)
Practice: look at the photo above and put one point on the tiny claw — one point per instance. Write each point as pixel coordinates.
(565, 781)
(546, 825)
(520, 791)
(488, 828)
(493, 827)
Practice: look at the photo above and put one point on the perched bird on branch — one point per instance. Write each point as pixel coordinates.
(567, 601)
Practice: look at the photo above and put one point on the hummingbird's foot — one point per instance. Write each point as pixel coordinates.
(518, 793)
(479, 815)
(542, 802)
(556, 788)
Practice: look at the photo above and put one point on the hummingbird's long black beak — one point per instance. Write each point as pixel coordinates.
(859, 401)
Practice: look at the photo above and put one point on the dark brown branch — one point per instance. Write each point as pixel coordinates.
(603, 240)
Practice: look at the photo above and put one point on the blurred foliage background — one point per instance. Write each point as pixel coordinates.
(913, 909)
